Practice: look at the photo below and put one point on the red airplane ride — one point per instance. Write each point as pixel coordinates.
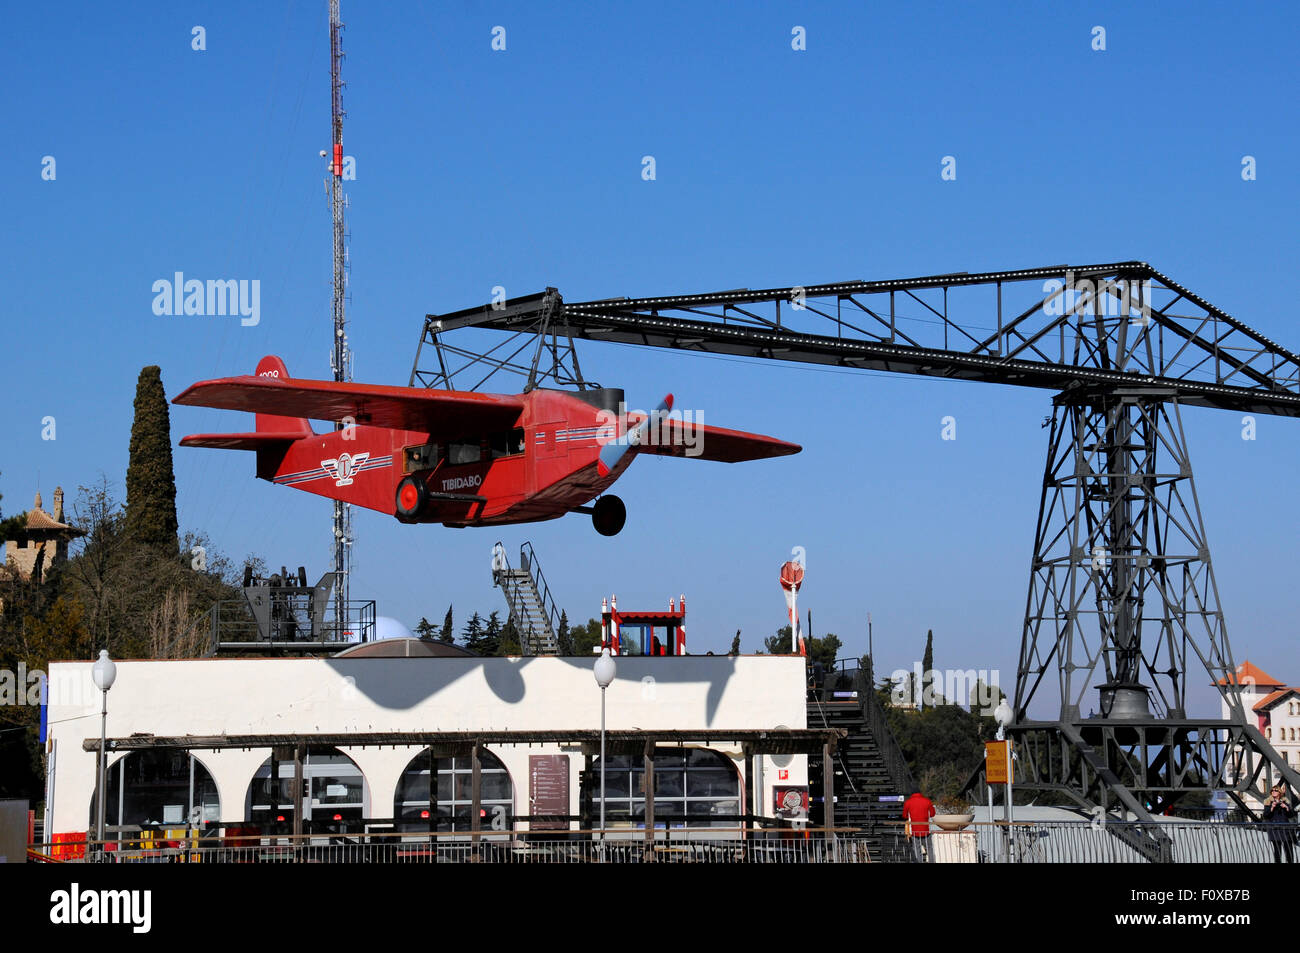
(457, 457)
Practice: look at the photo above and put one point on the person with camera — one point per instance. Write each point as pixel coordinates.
(1279, 816)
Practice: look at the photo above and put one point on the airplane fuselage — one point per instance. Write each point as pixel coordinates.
(541, 467)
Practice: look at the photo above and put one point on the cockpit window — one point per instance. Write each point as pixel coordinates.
(459, 454)
(424, 457)
(507, 444)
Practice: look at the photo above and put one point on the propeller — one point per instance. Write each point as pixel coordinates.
(612, 453)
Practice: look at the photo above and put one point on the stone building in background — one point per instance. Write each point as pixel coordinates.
(42, 542)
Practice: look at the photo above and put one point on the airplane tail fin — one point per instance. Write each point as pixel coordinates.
(272, 366)
(273, 434)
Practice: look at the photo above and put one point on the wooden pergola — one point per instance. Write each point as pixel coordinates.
(468, 744)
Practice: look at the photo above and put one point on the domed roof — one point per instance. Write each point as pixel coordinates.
(406, 648)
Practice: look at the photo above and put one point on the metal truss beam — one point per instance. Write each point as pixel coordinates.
(539, 349)
(1118, 324)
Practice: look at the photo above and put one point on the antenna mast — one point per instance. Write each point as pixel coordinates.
(340, 356)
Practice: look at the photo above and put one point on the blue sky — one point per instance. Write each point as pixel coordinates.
(522, 169)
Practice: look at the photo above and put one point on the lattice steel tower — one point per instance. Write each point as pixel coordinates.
(340, 355)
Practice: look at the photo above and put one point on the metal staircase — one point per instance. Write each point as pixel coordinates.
(871, 776)
(531, 607)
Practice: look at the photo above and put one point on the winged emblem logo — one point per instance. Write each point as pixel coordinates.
(344, 467)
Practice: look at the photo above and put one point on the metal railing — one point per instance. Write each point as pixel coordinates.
(1047, 842)
(848, 674)
(1085, 842)
(232, 626)
(784, 847)
(528, 562)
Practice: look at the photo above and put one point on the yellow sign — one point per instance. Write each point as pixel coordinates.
(997, 758)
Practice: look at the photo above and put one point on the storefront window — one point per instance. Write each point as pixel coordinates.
(694, 787)
(334, 789)
(449, 810)
(160, 788)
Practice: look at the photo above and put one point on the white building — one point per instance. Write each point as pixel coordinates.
(1274, 706)
(354, 786)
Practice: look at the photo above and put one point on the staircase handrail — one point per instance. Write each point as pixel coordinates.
(528, 557)
(874, 713)
(539, 583)
(501, 577)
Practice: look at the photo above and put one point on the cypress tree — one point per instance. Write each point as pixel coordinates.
(150, 482)
(563, 637)
(447, 634)
(927, 665)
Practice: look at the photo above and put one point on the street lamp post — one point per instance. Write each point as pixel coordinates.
(104, 672)
(605, 670)
(1004, 716)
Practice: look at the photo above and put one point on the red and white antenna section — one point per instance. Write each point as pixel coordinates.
(791, 579)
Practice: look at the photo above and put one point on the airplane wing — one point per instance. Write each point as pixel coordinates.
(699, 441)
(405, 408)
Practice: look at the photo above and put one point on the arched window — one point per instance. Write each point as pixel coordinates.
(159, 788)
(445, 806)
(694, 787)
(334, 789)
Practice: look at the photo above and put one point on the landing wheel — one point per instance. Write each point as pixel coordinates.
(411, 497)
(608, 515)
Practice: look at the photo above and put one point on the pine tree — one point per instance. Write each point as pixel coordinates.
(778, 644)
(448, 633)
(491, 644)
(509, 644)
(586, 637)
(150, 482)
(825, 649)
(424, 629)
(563, 637)
(472, 636)
(735, 644)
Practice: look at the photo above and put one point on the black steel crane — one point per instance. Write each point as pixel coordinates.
(1122, 597)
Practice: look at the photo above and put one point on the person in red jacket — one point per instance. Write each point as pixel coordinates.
(917, 811)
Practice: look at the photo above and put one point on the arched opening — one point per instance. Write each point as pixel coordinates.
(334, 794)
(446, 804)
(158, 789)
(693, 787)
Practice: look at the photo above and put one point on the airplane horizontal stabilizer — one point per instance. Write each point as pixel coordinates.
(238, 441)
